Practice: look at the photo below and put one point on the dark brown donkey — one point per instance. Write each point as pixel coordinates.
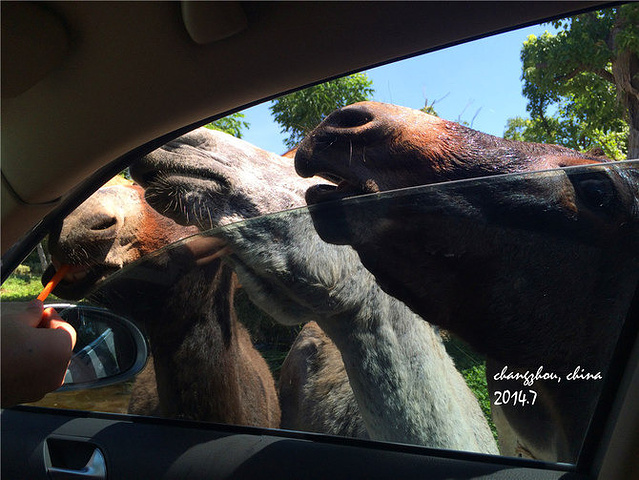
(205, 364)
(533, 270)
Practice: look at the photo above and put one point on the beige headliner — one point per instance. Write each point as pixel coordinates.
(129, 72)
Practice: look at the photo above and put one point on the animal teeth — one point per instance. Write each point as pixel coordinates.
(75, 276)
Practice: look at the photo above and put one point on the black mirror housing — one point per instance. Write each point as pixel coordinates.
(110, 349)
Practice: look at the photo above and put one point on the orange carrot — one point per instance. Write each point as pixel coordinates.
(59, 275)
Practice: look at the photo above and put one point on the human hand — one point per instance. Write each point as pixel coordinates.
(36, 348)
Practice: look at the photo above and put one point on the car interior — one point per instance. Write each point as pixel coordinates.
(94, 89)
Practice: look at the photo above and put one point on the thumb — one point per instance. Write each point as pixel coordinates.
(27, 313)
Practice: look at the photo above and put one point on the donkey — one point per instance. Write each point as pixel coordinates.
(535, 270)
(206, 367)
(406, 386)
(315, 394)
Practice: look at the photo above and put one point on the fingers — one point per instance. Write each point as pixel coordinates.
(64, 326)
(52, 352)
(34, 360)
(28, 313)
(51, 319)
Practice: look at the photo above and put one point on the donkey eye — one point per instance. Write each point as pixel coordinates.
(596, 191)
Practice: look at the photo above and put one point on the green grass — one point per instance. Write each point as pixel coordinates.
(274, 358)
(472, 366)
(22, 286)
(476, 379)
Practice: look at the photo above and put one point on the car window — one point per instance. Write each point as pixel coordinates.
(461, 307)
(364, 364)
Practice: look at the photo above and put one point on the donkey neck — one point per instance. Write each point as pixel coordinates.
(193, 339)
(407, 386)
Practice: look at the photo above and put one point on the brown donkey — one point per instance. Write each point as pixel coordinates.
(533, 270)
(206, 367)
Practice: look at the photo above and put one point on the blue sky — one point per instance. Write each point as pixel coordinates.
(480, 79)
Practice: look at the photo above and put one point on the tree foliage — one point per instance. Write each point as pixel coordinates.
(429, 108)
(582, 84)
(233, 124)
(299, 112)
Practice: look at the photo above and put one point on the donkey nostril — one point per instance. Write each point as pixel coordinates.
(103, 223)
(349, 117)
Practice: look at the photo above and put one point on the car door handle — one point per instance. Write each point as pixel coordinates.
(95, 469)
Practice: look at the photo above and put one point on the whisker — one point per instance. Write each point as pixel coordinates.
(329, 145)
(350, 153)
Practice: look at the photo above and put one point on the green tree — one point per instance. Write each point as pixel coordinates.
(429, 108)
(582, 84)
(232, 124)
(299, 112)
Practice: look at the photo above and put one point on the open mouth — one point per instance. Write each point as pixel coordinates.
(79, 280)
(348, 175)
(342, 189)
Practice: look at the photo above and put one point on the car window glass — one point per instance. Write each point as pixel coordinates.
(181, 296)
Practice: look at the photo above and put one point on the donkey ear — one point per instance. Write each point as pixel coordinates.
(596, 152)
(561, 161)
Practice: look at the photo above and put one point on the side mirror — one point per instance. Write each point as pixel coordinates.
(110, 349)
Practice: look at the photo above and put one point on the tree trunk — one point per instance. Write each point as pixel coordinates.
(44, 261)
(633, 141)
(630, 100)
(625, 69)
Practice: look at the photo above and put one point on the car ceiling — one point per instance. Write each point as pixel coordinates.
(85, 82)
